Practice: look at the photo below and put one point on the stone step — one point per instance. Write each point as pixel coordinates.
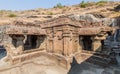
(99, 61)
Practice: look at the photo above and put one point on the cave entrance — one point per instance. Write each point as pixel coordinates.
(33, 41)
(87, 43)
(30, 42)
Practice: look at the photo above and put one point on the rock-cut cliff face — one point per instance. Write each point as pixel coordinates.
(45, 65)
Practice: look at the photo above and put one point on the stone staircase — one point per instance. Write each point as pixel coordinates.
(98, 60)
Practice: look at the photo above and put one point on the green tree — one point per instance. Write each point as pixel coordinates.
(59, 5)
(12, 15)
(83, 4)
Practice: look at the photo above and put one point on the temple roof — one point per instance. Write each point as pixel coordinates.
(23, 30)
(94, 31)
(61, 21)
(20, 27)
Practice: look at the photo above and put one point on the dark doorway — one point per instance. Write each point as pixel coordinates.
(102, 43)
(33, 40)
(87, 43)
(30, 42)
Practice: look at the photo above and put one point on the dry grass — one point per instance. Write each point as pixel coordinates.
(101, 3)
(58, 9)
(12, 15)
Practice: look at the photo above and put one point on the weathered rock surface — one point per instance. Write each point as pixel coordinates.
(117, 8)
(92, 18)
(41, 65)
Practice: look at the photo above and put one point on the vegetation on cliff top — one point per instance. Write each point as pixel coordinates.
(62, 9)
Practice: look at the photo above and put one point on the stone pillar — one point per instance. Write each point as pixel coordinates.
(96, 44)
(75, 44)
(20, 44)
(66, 40)
(9, 48)
(49, 40)
(14, 48)
(71, 43)
(40, 42)
(80, 43)
(66, 46)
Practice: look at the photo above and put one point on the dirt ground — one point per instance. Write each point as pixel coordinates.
(43, 65)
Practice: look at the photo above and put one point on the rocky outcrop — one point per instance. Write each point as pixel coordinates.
(117, 8)
(92, 18)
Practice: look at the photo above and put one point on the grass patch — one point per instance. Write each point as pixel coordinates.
(12, 15)
(101, 3)
(116, 13)
(1, 11)
(84, 4)
(50, 13)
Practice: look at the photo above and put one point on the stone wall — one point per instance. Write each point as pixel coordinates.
(63, 40)
(4, 38)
